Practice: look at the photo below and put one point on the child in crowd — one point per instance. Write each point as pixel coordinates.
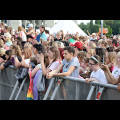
(97, 74)
(90, 53)
(84, 68)
(110, 60)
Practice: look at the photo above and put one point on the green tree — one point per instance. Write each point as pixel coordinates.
(91, 29)
(109, 32)
(98, 22)
(84, 27)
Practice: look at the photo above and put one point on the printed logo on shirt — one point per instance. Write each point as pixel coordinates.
(66, 70)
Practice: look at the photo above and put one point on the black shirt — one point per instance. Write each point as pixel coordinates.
(57, 39)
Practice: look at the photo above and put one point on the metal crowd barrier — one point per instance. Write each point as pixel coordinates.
(8, 82)
(70, 88)
(59, 88)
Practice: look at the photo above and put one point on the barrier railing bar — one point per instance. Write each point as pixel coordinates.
(22, 84)
(90, 93)
(56, 89)
(14, 89)
(12, 86)
(91, 83)
(49, 89)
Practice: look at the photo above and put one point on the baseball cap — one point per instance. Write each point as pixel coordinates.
(30, 25)
(78, 45)
(71, 44)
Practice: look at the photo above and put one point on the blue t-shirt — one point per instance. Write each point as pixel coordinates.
(38, 38)
(73, 62)
(43, 36)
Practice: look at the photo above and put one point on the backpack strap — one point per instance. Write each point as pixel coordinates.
(59, 61)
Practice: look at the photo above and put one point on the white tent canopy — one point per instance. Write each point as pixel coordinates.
(67, 26)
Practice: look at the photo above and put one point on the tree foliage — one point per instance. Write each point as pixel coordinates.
(94, 28)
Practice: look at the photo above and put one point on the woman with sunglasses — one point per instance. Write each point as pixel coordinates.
(97, 74)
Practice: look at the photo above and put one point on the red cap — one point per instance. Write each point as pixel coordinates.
(71, 44)
(78, 45)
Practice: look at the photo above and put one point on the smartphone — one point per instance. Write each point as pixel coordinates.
(32, 65)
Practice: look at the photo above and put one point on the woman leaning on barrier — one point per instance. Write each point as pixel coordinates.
(44, 66)
(97, 74)
(54, 60)
(114, 77)
(69, 66)
(17, 55)
(26, 55)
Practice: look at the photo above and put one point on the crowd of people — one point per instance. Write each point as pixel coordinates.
(91, 57)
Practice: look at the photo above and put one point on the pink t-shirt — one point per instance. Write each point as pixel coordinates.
(6, 47)
(54, 65)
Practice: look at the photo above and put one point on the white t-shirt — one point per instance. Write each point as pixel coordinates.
(39, 65)
(27, 61)
(7, 35)
(100, 76)
(23, 36)
(116, 72)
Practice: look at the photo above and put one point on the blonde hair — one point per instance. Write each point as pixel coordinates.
(111, 56)
(91, 52)
(17, 50)
(20, 28)
(2, 51)
(60, 44)
(1, 43)
(81, 55)
(28, 45)
(92, 45)
(53, 43)
(27, 52)
(116, 61)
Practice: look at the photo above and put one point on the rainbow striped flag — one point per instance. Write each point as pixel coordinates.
(30, 89)
(30, 94)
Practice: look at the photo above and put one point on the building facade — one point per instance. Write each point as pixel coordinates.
(36, 23)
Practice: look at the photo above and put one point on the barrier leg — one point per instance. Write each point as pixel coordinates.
(49, 89)
(100, 93)
(90, 92)
(56, 89)
(77, 91)
(22, 84)
(14, 89)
